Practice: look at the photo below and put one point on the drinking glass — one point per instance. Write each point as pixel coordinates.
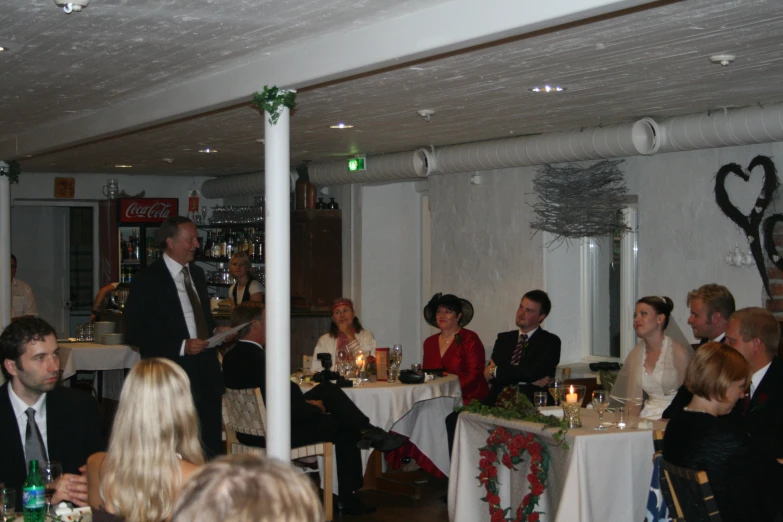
(539, 399)
(9, 503)
(621, 417)
(556, 389)
(600, 403)
(51, 473)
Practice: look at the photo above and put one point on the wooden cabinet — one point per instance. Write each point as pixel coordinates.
(316, 259)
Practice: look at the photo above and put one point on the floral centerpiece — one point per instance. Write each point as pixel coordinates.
(371, 368)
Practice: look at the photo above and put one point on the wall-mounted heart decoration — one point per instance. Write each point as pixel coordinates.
(751, 223)
(769, 239)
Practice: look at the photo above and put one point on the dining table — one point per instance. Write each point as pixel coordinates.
(417, 411)
(109, 361)
(597, 475)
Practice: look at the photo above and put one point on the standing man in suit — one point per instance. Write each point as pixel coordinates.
(711, 305)
(167, 315)
(755, 333)
(40, 420)
(528, 356)
(324, 413)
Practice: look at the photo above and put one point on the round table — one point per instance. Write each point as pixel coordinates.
(417, 411)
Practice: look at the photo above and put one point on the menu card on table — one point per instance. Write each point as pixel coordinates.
(382, 364)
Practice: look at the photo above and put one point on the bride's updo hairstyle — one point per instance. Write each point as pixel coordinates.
(661, 305)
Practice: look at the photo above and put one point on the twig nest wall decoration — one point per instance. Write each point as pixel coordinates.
(575, 201)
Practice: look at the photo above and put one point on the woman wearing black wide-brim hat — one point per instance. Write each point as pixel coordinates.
(456, 349)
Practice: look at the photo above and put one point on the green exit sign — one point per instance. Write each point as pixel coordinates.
(356, 164)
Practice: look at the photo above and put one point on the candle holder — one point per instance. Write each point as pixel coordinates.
(572, 402)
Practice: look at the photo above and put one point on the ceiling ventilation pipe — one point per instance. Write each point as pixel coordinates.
(627, 139)
(387, 167)
(725, 128)
(235, 185)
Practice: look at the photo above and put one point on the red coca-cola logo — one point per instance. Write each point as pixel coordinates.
(148, 210)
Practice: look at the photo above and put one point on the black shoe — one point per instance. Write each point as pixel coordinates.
(353, 505)
(381, 440)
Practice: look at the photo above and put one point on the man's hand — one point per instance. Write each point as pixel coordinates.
(320, 404)
(195, 346)
(71, 488)
(543, 381)
(488, 370)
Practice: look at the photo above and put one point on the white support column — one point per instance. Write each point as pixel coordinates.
(278, 286)
(5, 252)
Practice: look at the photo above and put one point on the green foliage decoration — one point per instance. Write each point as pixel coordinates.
(272, 100)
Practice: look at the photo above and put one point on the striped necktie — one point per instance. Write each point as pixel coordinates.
(519, 351)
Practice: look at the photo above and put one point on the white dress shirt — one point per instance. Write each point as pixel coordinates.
(20, 409)
(756, 379)
(22, 299)
(179, 281)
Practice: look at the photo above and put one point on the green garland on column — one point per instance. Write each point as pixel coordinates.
(12, 171)
(272, 100)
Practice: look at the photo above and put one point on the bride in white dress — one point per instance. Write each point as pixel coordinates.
(655, 368)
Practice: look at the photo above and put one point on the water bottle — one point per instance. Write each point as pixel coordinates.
(34, 495)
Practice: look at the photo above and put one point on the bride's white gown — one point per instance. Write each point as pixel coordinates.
(663, 377)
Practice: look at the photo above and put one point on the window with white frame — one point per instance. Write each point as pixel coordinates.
(608, 294)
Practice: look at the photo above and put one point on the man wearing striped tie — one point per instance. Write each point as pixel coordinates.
(526, 357)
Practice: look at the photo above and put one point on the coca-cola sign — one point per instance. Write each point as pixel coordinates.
(147, 210)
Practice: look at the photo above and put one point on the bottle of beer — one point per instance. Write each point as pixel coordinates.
(34, 495)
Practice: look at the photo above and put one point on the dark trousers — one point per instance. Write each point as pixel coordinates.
(209, 407)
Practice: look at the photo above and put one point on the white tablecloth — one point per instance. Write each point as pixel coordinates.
(603, 476)
(417, 411)
(99, 357)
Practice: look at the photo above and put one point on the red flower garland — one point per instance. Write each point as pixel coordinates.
(511, 449)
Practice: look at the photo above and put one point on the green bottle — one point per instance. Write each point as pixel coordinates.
(34, 495)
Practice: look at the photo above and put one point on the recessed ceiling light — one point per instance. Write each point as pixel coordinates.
(208, 151)
(123, 166)
(260, 140)
(3, 48)
(341, 125)
(547, 88)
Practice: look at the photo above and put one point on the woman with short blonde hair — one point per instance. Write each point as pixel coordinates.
(154, 446)
(248, 488)
(246, 287)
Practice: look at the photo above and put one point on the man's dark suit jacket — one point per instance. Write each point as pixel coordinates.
(155, 322)
(73, 433)
(244, 366)
(539, 360)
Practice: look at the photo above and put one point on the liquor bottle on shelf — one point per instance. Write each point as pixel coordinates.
(136, 246)
(208, 245)
(123, 248)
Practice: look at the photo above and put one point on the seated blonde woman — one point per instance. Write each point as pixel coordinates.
(248, 488)
(153, 450)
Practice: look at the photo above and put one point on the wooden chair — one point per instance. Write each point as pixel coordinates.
(307, 361)
(687, 491)
(244, 412)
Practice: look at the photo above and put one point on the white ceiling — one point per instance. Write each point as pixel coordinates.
(65, 74)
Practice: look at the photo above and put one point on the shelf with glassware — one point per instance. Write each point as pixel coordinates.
(137, 249)
(220, 243)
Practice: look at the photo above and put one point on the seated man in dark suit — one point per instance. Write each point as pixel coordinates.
(42, 421)
(528, 356)
(324, 413)
(711, 306)
(755, 333)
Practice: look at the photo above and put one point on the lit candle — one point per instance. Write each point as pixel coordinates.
(571, 397)
(360, 363)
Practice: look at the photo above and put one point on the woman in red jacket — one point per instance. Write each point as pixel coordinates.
(456, 349)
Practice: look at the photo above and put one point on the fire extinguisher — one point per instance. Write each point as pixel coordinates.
(193, 213)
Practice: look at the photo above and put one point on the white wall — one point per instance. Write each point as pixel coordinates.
(390, 267)
(482, 249)
(88, 186)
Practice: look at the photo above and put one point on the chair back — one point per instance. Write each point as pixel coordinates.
(658, 443)
(244, 411)
(689, 496)
(307, 361)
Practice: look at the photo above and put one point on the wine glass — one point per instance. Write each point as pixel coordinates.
(555, 389)
(395, 360)
(600, 403)
(51, 473)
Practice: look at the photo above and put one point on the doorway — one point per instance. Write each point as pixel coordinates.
(56, 246)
